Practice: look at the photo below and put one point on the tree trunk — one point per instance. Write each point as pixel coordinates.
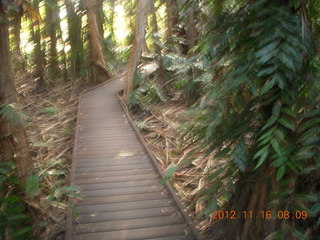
(138, 42)
(100, 17)
(172, 18)
(112, 6)
(52, 23)
(13, 143)
(39, 59)
(74, 28)
(19, 60)
(156, 42)
(99, 68)
(190, 30)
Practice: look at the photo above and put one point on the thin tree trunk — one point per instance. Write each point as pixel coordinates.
(112, 5)
(99, 67)
(39, 59)
(19, 60)
(172, 19)
(74, 28)
(156, 45)
(13, 143)
(52, 21)
(190, 30)
(138, 42)
(63, 56)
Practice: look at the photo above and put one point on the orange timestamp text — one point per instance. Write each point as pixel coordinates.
(280, 214)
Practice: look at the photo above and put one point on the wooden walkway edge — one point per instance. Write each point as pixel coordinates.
(119, 180)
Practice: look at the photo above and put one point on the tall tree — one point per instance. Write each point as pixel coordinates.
(156, 43)
(100, 71)
(100, 16)
(111, 20)
(143, 8)
(13, 143)
(76, 43)
(16, 29)
(53, 24)
(38, 53)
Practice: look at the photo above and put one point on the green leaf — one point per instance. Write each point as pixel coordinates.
(287, 61)
(267, 71)
(267, 49)
(216, 174)
(268, 133)
(288, 111)
(170, 171)
(276, 146)
(265, 58)
(239, 155)
(270, 121)
(32, 185)
(22, 231)
(279, 80)
(280, 172)
(299, 235)
(276, 109)
(263, 157)
(280, 134)
(284, 122)
(267, 86)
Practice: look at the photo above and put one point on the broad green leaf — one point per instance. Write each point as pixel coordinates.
(299, 235)
(32, 185)
(265, 58)
(285, 122)
(239, 155)
(287, 61)
(216, 174)
(270, 121)
(267, 71)
(288, 111)
(276, 146)
(261, 151)
(307, 170)
(280, 134)
(262, 158)
(268, 133)
(22, 231)
(267, 86)
(280, 172)
(267, 49)
(276, 109)
(170, 171)
(279, 80)
(310, 123)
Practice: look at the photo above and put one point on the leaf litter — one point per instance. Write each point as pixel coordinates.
(50, 132)
(164, 138)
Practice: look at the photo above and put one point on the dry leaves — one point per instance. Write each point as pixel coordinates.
(50, 132)
(161, 132)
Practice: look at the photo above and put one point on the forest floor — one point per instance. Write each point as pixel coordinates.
(51, 117)
(161, 129)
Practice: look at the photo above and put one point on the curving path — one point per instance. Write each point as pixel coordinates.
(123, 197)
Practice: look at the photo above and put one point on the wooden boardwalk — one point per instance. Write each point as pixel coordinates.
(123, 197)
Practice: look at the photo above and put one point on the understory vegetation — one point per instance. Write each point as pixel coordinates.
(249, 138)
(225, 92)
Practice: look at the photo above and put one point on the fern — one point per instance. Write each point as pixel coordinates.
(12, 113)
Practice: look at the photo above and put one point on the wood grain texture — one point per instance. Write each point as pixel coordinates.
(123, 197)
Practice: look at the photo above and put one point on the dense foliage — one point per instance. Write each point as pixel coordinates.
(260, 115)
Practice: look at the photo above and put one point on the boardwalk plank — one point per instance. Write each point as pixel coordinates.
(135, 234)
(122, 195)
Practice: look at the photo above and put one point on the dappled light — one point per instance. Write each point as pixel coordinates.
(173, 119)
